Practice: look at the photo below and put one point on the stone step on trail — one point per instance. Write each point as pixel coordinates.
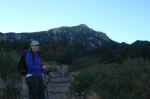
(58, 85)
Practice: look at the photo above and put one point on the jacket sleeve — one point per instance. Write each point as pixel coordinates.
(29, 63)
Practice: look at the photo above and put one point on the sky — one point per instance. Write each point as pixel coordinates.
(121, 20)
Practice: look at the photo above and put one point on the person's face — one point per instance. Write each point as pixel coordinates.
(35, 48)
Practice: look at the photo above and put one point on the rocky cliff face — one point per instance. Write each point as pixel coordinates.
(81, 34)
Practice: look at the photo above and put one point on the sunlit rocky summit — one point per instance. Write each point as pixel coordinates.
(80, 34)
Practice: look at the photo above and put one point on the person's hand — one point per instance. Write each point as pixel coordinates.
(44, 67)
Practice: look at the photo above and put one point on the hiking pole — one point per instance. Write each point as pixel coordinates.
(46, 86)
(46, 81)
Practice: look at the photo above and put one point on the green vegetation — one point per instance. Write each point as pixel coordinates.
(109, 73)
(81, 83)
(8, 62)
(129, 80)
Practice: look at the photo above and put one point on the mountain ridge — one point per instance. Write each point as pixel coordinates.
(80, 34)
(66, 44)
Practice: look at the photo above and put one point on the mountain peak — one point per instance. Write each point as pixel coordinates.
(79, 34)
(77, 26)
(83, 25)
(140, 42)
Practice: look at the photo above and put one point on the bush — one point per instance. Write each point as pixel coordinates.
(82, 82)
(8, 62)
(129, 80)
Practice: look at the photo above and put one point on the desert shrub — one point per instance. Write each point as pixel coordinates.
(129, 80)
(8, 62)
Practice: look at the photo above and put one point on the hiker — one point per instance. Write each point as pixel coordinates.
(34, 72)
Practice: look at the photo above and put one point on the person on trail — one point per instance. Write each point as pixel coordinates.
(35, 70)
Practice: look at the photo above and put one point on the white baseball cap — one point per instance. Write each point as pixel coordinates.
(34, 43)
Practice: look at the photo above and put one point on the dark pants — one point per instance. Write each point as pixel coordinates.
(36, 87)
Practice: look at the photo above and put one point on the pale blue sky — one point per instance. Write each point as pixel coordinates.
(121, 20)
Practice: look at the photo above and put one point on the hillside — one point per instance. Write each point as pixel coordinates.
(81, 34)
(69, 44)
(110, 69)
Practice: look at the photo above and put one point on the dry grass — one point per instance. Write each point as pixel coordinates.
(92, 95)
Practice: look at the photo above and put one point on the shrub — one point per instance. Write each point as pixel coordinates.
(8, 62)
(129, 80)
